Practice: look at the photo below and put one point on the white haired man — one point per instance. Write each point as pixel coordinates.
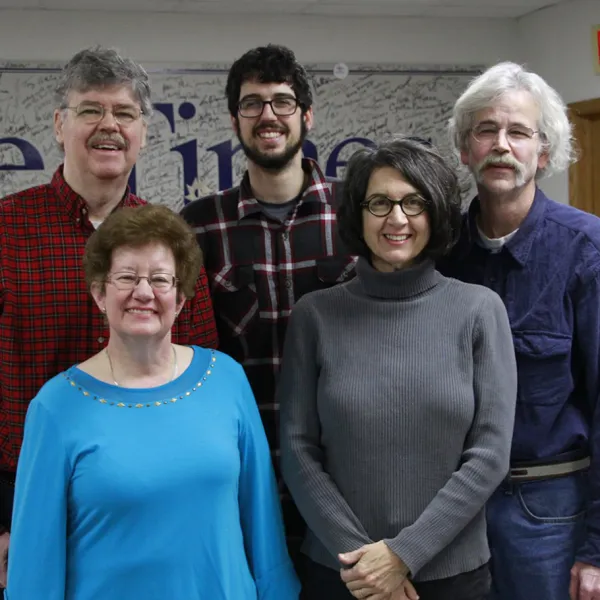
(543, 258)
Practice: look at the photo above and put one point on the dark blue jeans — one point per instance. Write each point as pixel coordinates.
(322, 583)
(534, 529)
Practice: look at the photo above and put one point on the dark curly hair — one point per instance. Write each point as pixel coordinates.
(423, 167)
(137, 227)
(268, 64)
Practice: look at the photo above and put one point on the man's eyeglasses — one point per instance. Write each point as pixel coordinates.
(411, 205)
(161, 282)
(282, 106)
(487, 133)
(92, 112)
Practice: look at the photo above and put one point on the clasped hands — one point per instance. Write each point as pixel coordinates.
(375, 572)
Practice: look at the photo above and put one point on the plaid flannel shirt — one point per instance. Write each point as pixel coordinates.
(258, 268)
(48, 319)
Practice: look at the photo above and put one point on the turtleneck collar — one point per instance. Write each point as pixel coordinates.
(401, 284)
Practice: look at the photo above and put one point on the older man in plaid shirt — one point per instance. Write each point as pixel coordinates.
(273, 238)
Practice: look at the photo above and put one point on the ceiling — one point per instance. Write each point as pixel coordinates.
(342, 8)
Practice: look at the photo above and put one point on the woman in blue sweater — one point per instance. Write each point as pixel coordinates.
(145, 472)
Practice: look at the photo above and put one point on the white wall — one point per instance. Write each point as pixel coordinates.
(193, 38)
(557, 44)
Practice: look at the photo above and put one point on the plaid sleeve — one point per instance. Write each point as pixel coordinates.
(196, 323)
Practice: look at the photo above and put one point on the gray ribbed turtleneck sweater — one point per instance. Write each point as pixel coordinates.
(397, 398)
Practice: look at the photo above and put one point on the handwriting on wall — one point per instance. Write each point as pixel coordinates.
(191, 149)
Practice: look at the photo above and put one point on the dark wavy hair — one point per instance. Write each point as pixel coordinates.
(268, 64)
(421, 165)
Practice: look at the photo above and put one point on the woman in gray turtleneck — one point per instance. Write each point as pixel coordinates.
(397, 396)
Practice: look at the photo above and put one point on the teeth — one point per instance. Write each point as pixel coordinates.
(139, 311)
(105, 147)
(396, 238)
(269, 134)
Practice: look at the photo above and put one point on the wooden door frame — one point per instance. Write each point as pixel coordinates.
(580, 173)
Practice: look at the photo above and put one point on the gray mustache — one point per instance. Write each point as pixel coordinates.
(493, 161)
(108, 140)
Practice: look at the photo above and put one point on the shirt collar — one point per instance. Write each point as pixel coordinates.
(519, 246)
(317, 190)
(72, 203)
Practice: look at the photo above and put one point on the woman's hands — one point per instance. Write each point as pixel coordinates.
(375, 572)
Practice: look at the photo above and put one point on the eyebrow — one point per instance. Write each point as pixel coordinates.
(382, 195)
(259, 97)
(510, 124)
(96, 103)
(164, 270)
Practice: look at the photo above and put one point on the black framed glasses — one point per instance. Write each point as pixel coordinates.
(161, 282)
(282, 106)
(411, 205)
(487, 133)
(93, 112)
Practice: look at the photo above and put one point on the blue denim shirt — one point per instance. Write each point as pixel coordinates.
(548, 275)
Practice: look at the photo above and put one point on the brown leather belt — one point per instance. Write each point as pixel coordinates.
(548, 471)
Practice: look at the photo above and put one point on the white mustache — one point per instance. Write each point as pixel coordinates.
(500, 161)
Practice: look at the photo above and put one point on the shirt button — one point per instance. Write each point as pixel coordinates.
(288, 283)
(101, 340)
(285, 235)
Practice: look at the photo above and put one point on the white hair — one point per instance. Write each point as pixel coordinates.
(554, 128)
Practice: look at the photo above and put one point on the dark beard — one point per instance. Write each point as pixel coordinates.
(275, 163)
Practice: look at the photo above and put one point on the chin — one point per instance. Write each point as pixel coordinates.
(108, 174)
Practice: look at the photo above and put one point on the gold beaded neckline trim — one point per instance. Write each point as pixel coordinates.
(100, 400)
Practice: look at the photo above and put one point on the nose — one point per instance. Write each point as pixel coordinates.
(108, 121)
(397, 217)
(143, 289)
(268, 114)
(501, 141)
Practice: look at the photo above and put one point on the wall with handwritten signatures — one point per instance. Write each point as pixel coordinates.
(191, 148)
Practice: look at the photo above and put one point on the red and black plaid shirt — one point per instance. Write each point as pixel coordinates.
(48, 320)
(258, 267)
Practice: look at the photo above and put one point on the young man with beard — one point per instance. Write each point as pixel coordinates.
(48, 319)
(543, 258)
(273, 238)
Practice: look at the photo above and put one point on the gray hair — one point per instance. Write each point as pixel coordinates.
(100, 67)
(554, 128)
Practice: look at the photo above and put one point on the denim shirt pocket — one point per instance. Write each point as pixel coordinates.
(234, 297)
(543, 363)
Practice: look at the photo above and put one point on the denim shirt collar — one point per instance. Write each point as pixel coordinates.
(518, 246)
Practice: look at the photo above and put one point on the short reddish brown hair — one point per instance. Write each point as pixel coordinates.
(136, 227)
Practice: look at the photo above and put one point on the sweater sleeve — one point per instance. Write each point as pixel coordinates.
(316, 495)
(37, 564)
(260, 511)
(486, 454)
